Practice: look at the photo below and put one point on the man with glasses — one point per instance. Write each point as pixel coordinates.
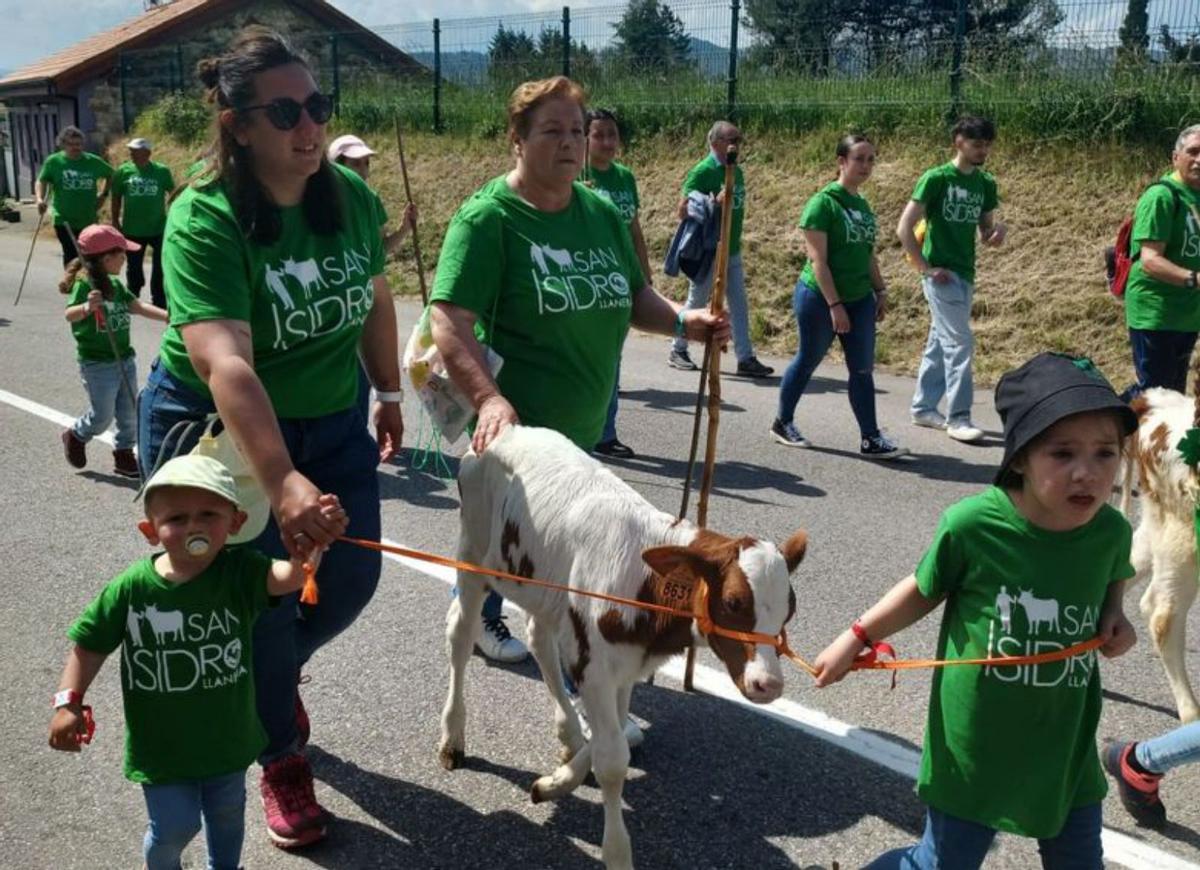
(708, 176)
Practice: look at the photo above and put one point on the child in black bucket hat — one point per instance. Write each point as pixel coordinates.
(1035, 563)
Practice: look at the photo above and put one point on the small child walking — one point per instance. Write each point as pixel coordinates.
(184, 619)
(1035, 563)
(98, 309)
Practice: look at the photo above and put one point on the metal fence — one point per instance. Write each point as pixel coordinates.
(779, 62)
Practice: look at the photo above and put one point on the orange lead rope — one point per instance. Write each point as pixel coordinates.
(308, 595)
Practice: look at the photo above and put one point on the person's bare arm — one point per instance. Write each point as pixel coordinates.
(453, 330)
(116, 210)
(639, 246)
(1156, 265)
(991, 231)
(41, 192)
(653, 312)
(146, 309)
(66, 725)
(222, 353)
(380, 349)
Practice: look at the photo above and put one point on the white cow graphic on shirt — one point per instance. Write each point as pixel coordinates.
(164, 622)
(540, 253)
(307, 273)
(1038, 611)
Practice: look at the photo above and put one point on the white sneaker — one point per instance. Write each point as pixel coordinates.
(929, 420)
(634, 735)
(497, 643)
(964, 431)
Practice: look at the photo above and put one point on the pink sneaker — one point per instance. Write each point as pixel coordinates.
(294, 818)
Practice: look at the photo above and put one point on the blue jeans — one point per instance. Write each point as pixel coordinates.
(338, 455)
(946, 365)
(816, 334)
(108, 398)
(1173, 749)
(950, 843)
(610, 421)
(175, 810)
(1161, 358)
(735, 298)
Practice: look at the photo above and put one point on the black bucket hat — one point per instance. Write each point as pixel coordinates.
(1046, 389)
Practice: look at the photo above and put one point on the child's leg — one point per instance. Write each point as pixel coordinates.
(223, 800)
(174, 812)
(1077, 846)
(102, 381)
(126, 407)
(1175, 748)
(947, 842)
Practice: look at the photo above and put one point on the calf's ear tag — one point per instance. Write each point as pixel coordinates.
(677, 589)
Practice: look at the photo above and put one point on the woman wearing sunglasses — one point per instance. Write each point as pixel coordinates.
(273, 263)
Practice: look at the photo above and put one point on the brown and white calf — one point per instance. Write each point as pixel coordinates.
(1165, 540)
(536, 505)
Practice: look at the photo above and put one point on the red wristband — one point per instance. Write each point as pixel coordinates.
(861, 633)
(65, 697)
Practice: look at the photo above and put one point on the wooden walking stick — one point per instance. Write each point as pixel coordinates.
(408, 194)
(711, 368)
(29, 256)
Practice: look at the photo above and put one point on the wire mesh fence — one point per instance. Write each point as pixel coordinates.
(1062, 67)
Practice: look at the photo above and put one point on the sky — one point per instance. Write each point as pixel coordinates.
(35, 28)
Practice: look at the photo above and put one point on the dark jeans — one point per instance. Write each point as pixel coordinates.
(1160, 359)
(957, 844)
(64, 238)
(134, 275)
(339, 456)
(816, 334)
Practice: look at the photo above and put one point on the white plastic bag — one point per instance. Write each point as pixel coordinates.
(446, 405)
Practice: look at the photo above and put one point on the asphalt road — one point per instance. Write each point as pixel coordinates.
(824, 777)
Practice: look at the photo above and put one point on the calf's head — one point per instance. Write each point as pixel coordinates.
(748, 590)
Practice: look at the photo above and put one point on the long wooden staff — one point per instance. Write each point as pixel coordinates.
(408, 194)
(712, 367)
(29, 256)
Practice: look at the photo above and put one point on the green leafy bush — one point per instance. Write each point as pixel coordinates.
(181, 117)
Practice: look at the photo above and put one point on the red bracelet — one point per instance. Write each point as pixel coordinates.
(861, 633)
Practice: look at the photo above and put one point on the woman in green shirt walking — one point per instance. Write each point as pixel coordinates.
(840, 292)
(274, 275)
(539, 267)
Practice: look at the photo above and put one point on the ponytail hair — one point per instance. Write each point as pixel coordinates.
(229, 85)
(97, 275)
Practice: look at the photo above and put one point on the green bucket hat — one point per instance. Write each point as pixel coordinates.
(198, 472)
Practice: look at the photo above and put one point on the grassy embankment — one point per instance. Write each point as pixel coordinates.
(1043, 290)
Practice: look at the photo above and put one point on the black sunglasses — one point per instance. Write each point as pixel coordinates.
(284, 113)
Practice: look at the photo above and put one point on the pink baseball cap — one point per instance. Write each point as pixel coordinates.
(348, 146)
(102, 238)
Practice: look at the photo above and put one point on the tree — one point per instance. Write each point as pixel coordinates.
(1134, 32)
(1185, 55)
(795, 34)
(651, 36)
(511, 55)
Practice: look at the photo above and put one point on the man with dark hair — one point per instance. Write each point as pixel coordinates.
(952, 202)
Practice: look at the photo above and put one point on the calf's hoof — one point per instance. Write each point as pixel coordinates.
(450, 759)
(539, 789)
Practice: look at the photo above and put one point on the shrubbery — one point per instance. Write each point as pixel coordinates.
(178, 116)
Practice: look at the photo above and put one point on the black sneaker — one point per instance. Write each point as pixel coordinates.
(752, 368)
(680, 359)
(614, 448)
(1138, 790)
(879, 447)
(788, 435)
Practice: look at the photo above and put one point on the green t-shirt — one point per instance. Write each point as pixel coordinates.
(74, 183)
(1154, 304)
(849, 227)
(91, 342)
(708, 176)
(305, 297)
(618, 186)
(1014, 748)
(553, 293)
(143, 193)
(954, 202)
(187, 681)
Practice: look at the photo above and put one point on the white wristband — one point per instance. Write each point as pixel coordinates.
(395, 396)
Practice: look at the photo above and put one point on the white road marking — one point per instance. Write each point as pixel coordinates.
(1120, 848)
